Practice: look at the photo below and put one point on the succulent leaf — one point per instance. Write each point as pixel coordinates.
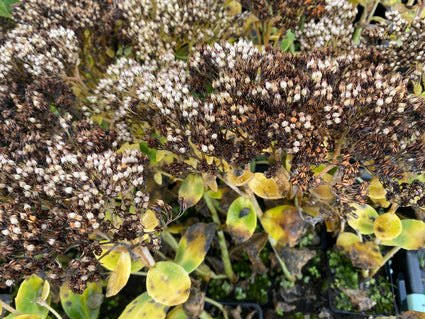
(241, 219)
(84, 306)
(144, 307)
(191, 190)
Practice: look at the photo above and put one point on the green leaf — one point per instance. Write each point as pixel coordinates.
(412, 235)
(144, 307)
(29, 291)
(85, 306)
(362, 218)
(5, 8)
(191, 190)
(194, 244)
(127, 51)
(168, 283)
(241, 219)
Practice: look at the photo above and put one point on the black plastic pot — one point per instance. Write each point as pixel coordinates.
(410, 281)
(333, 293)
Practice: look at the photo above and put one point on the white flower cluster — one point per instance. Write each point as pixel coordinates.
(48, 54)
(160, 25)
(334, 29)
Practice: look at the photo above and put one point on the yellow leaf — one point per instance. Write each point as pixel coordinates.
(387, 226)
(149, 220)
(194, 244)
(158, 177)
(144, 307)
(120, 275)
(362, 218)
(27, 317)
(168, 283)
(264, 187)
(346, 240)
(46, 291)
(110, 260)
(239, 177)
(365, 255)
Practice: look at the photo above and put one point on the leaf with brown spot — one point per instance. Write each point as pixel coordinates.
(239, 177)
(365, 255)
(194, 245)
(362, 218)
(387, 226)
(284, 224)
(84, 306)
(144, 307)
(168, 283)
(120, 275)
(377, 193)
(346, 240)
(241, 219)
(191, 190)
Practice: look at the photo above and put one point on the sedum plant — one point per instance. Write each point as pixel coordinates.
(111, 112)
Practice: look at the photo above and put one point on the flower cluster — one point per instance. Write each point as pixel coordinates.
(59, 182)
(156, 27)
(308, 105)
(333, 29)
(402, 44)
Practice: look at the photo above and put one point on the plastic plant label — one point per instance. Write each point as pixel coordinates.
(168, 283)
(241, 219)
(84, 306)
(264, 187)
(120, 275)
(191, 189)
(387, 226)
(362, 218)
(194, 245)
(412, 235)
(144, 307)
(284, 224)
(29, 291)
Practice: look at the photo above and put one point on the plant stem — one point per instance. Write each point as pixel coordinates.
(44, 304)
(218, 305)
(9, 308)
(170, 240)
(364, 19)
(222, 240)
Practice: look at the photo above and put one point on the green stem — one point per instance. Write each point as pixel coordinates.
(9, 308)
(222, 240)
(170, 240)
(53, 311)
(272, 242)
(364, 19)
(218, 305)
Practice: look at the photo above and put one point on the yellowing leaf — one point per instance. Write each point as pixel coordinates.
(149, 220)
(210, 181)
(239, 177)
(264, 187)
(346, 240)
(144, 307)
(284, 224)
(29, 291)
(362, 218)
(365, 255)
(412, 235)
(232, 7)
(46, 291)
(387, 226)
(110, 260)
(27, 317)
(377, 193)
(177, 313)
(158, 177)
(191, 190)
(241, 219)
(194, 244)
(168, 283)
(120, 275)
